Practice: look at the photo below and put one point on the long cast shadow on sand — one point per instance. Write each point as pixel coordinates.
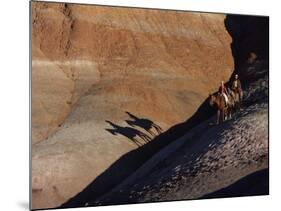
(144, 123)
(133, 132)
(137, 136)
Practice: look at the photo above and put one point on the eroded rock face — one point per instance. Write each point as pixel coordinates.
(91, 64)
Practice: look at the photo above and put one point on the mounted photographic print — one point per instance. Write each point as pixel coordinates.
(137, 105)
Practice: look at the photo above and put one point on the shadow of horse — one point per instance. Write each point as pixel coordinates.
(146, 124)
(130, 133)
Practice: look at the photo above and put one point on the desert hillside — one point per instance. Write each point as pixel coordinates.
(225, 160)
(230, 159)
(100, 74)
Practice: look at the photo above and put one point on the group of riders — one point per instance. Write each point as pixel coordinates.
(228, 99)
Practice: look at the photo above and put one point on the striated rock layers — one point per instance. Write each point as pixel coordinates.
(92, 64)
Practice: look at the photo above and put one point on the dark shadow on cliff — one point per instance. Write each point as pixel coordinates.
(250, 45)
(131, 161)
(250, 48)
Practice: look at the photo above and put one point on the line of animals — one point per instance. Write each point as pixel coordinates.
(227, 100)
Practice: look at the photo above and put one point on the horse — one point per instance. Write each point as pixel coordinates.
(218, 101)
(238, 96)
(233, 101)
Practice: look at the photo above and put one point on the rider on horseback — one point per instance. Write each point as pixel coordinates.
(223, 91)
(236, 86)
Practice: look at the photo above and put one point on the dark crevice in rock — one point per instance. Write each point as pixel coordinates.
(250, 42)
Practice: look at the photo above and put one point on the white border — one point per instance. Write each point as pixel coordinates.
(14, 116)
